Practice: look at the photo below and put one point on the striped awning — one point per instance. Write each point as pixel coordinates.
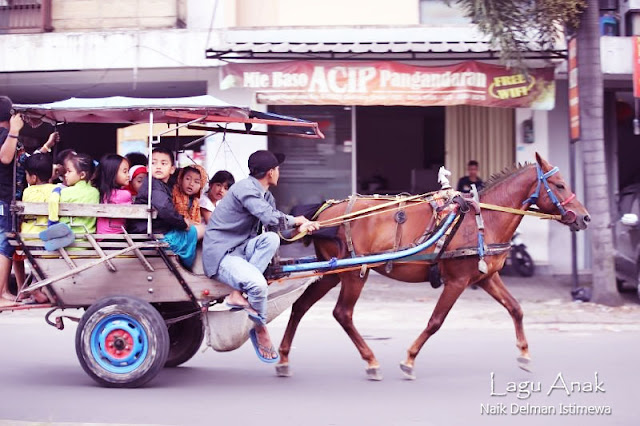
(369, 43)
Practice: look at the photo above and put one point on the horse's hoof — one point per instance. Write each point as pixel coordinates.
(374, 374)
(407, 370)
(282, 370)
(524, 364)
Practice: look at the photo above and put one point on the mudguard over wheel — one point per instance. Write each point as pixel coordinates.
(185, 337)
(122, 342)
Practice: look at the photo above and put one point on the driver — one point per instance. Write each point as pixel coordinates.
(237, 255)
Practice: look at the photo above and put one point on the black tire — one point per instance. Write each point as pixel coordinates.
(123, 325)
(522, 262)
(624, 287)
(185, 338)
(12, 287)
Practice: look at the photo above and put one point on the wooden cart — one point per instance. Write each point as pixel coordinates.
(143, 310)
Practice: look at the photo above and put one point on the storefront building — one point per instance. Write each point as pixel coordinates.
(411, 85)
(394, 111)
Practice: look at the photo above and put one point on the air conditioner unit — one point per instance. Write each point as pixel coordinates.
(630, 17)
(629, 5)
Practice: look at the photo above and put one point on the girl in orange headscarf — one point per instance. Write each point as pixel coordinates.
(187, 190)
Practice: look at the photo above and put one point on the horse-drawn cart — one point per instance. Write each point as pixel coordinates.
(145, 311)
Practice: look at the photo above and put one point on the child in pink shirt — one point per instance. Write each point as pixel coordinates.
(112, 176)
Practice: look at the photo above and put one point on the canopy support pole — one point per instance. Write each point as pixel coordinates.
(149, 175)
(354, 154)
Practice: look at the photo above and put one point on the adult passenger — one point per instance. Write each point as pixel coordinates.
(10, 126)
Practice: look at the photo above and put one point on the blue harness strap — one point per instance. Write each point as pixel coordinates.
(542, 179)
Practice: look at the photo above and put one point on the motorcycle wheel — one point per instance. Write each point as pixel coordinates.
(522, 262)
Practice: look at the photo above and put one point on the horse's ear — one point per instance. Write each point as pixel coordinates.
(541, 161)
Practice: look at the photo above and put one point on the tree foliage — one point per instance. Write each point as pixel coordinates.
(516, 26)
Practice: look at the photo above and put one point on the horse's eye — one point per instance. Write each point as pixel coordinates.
(560, 186)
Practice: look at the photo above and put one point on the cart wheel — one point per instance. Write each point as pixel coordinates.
(185, 337)
(122, 342)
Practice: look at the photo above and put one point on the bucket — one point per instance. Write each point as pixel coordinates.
(227, 330)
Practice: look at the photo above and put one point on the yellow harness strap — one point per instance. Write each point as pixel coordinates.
(520, 212)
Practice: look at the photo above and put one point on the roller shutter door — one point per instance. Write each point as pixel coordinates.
(479, 133)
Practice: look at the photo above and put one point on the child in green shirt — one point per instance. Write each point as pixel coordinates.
(79, 170)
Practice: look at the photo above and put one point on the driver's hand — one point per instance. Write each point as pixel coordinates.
(309, 227)
(300, 220)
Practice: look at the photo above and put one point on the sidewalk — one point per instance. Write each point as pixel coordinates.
(545, 300)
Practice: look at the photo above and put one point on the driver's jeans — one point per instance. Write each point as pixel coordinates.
(243, 271)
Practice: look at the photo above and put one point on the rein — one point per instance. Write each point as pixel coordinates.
(357, 214)
(520, 212)
(371, 211)
(533, 199)
(428, 197)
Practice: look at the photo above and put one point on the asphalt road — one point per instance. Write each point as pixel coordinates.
(42, 382)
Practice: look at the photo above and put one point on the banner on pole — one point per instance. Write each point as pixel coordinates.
(636, 66)
(574, 95)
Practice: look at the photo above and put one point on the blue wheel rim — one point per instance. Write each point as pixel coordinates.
(119, 331)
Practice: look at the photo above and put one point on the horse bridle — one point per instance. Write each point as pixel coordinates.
(568, 216)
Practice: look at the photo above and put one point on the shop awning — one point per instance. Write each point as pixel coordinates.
(364, 44)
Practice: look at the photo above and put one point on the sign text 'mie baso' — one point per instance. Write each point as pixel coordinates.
(392, 83)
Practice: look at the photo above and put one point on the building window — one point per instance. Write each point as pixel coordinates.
(437, 12)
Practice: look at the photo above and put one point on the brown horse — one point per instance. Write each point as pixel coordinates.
(377, 233)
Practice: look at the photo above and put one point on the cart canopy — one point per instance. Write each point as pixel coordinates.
(200, 109)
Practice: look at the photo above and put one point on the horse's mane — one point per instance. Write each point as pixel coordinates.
(500, 177)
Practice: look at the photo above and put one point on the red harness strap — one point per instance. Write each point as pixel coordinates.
(568, 200)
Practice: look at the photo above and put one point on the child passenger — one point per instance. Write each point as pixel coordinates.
(179, 232)
(112, 177)
(79, 170)
(186, 192)
(58, 166)
(137, 177)
(218, 187)
(38, 168)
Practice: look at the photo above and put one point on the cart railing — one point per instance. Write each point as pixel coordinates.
(127, 211)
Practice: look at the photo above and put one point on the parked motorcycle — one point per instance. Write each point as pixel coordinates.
(519, 259)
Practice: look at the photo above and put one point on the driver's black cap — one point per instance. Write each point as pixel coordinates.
(263, 161)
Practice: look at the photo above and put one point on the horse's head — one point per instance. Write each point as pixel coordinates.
(553, 195)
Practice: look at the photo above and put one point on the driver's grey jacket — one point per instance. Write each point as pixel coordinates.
(237, 218)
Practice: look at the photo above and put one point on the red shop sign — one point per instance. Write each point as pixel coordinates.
(392, 83)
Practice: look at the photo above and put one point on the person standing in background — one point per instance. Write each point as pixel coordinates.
(464, 184)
